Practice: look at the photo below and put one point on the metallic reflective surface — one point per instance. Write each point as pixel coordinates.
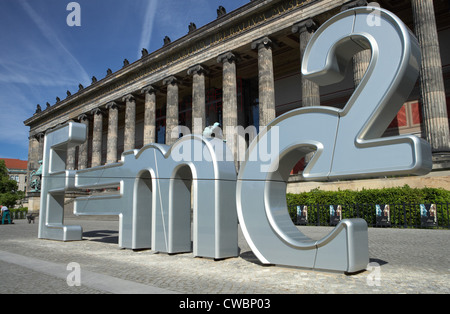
(359, 150)
(160, 184)
(346, 142)
(154, 204)
(56, 180)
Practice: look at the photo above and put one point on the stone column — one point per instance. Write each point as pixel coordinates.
(171, 110)
(97, 135)
(235, 141)
(432, 90)
(70, 159)
(40, 137)
(33, 158)
(266, 81)
(149, 114)
(130, 122)
(70, 162)
(229, 93)
(361, 62)
(113, 125)
(230, 106)
(83, 148)
(198, 73)
(310, 90)
(33, 153)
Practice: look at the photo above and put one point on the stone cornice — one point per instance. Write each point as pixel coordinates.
(116, 79)
(354, 4)
(307, 25)
(171, 80)
(150, 67)
(83, 117)
(112, 105)
(198, 69)
(98, 112)
(150, 89)
(227, 57)
(128, 98)
(264, 42)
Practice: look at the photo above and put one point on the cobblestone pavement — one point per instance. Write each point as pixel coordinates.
(402, 261)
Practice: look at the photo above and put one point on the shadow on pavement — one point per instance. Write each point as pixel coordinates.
(104, 236)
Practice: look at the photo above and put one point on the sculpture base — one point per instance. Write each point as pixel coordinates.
(441, 161)
(34, 202)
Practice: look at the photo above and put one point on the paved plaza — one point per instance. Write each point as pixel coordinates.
(402, 261)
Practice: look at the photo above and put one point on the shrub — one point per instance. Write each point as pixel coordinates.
(19, 213)
(404, 203)
(401, 195)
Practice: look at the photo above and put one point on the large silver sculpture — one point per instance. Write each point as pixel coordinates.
(155, 182)
(56, 180)
(154, 204)
(347, 143)
(155, 197)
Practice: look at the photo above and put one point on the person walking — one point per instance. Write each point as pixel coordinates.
(5, 213)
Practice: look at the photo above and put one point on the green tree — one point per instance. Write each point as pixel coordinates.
(9, 193)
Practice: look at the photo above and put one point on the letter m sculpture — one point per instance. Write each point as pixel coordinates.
(154, 204)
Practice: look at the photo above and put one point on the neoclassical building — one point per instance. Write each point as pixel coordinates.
(244, 69)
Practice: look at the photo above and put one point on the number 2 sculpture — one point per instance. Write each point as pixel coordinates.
(154, 200)
(347, 142)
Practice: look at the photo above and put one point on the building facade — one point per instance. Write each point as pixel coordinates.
(17, 170)
(243, 69)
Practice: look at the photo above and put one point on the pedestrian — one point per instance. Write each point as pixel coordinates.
(5, 213)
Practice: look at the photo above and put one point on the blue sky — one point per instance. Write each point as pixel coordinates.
(41, 56)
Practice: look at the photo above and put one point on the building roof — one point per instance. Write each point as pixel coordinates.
(15, 164)
(225, 26)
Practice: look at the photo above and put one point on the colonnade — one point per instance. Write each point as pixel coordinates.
(436, 127)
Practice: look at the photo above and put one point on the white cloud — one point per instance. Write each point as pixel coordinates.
(31, 65)
(13, 111)
(59, 50)
(173, 16)
(43, 73)
(147, 27)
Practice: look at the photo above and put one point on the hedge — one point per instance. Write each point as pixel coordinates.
(19, 213)
(405, 204)
(403, 195)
